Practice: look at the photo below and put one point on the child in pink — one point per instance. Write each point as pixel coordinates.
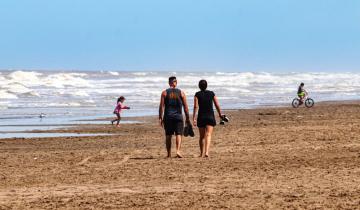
(117, 110)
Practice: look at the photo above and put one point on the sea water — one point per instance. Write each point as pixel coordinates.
(63, 97)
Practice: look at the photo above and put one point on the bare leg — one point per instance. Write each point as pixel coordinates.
(301, 100)
(178, 146)
(118, 120)
(208, 133)
(201, 141)
(168, 145)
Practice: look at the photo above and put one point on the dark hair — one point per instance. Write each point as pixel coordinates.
(302, 84)
(120, 98)
(202, 84)
(172, 79)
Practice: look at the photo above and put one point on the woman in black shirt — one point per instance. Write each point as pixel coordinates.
(205, 121)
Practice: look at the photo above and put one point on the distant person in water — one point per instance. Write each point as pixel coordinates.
(301, 93)
(117, 110)
(172, 101)
(205, 120)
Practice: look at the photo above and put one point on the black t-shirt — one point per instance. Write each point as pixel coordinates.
(205, 100)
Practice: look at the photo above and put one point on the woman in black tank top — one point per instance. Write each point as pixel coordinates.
(205, 120)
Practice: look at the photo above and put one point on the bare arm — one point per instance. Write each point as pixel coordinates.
(196, 104)
(217, 106)
(161, 107)
(186, 108)
(125, 107)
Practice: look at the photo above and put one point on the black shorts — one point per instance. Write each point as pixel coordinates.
(173, 127)
(202, 122)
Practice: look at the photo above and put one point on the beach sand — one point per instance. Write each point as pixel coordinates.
(269, 158)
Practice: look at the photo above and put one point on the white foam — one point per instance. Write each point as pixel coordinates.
(226, 73)
(140, 73)
(114, 73)
(64, 104)
(80, 93)
(3, 80)
(4, 104)
(62, 80)
(32, 94)
(6, 95)
(16, 88)
(75, 93)
(25, 77)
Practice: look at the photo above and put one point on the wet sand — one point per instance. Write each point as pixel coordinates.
(271, 158)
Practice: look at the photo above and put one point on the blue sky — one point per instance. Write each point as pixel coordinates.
(144, 35)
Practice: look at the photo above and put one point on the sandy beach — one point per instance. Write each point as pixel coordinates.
(269, 158)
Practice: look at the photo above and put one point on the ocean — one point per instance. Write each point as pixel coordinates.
(65, 97)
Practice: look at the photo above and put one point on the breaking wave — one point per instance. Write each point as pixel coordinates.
(47, 89)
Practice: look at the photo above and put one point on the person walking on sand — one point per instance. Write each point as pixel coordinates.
(117, 110)
(170, 114)
(205, 121)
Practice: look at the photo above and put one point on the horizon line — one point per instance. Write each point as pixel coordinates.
(179, 71)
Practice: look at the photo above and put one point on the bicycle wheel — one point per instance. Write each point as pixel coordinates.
(295, 103)
(309, 102)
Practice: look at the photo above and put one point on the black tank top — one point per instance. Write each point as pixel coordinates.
(300, 90)
(173, 104)
(205, 100)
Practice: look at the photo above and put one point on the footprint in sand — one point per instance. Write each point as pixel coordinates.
(102, 153)
(125, 159)
(84, 161)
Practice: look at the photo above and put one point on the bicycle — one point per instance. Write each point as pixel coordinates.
(309, 102)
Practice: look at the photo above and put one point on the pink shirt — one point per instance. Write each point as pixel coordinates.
(119, 107)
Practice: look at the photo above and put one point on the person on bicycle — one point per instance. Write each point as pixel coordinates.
(301, 93)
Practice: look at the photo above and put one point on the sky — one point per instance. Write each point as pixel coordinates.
(181, 35)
